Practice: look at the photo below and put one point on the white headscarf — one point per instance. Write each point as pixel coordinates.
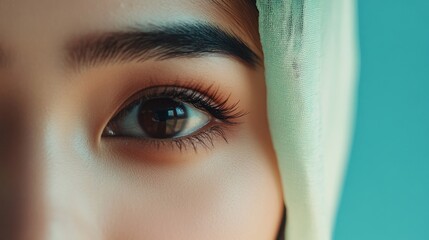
(310, 64)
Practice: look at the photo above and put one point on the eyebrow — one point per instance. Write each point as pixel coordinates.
(159, 42)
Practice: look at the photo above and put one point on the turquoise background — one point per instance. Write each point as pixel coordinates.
(386, 192)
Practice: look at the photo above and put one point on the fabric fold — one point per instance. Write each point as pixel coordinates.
(309, 55)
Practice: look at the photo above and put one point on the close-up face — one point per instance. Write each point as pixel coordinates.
(135, 119)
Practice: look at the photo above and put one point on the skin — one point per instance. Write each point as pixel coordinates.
(61, 179)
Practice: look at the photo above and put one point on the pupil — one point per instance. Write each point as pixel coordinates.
(162, 117)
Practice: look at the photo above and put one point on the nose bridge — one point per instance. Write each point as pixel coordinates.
(21, 171)
(38, 183)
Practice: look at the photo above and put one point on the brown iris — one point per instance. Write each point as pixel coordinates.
(162, 117)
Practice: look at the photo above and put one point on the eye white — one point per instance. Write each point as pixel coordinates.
(128, 125)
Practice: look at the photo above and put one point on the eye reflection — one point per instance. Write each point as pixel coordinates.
(182, 116)
(157, 118)
(163, 117)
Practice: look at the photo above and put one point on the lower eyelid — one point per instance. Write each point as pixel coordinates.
(211, 136)
(206, 99)
(150, 151)
(204, 138)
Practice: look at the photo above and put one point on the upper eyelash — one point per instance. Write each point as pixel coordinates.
(207, 99)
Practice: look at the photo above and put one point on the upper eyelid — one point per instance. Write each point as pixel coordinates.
(216, 128)
(210, 95)
(140, 95)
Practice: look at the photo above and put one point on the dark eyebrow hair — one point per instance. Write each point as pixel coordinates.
(159, 42)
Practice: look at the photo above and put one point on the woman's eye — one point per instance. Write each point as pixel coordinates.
(178, 116)
(157, 118)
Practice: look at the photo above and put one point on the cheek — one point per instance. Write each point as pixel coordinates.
(231, 192)
(231, 195)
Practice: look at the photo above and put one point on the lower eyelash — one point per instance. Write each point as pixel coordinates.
(207, 99)
(204, 138)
